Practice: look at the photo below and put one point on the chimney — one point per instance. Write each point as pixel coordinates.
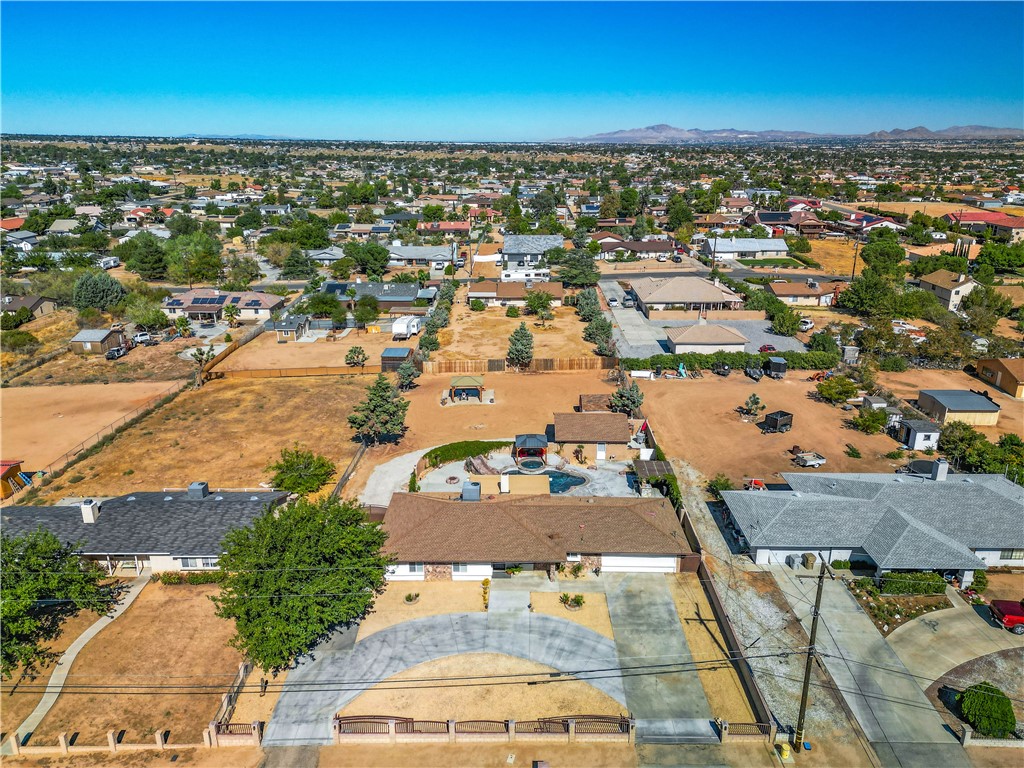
(198, 490)
(961, 277)
(940, 468)
(90, 510)
(717, 282)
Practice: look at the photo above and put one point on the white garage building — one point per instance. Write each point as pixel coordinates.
(435, 539)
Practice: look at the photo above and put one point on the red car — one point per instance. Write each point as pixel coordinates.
(1009, 614)
(767, 348)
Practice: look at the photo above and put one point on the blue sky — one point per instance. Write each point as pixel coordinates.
(497, 71)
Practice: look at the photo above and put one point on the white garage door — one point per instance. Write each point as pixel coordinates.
(637, 564)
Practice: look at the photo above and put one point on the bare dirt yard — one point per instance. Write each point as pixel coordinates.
(515, 700)
(524, 402)
(435, 597)
(16, 701)
(596, 755)
(235, 757)
(696, 420)
(909, 383)
(1005, 586)
(593, 615)
(169, 636)
(835, 256)
(484, 335)
(159, 363)
(265, 352)
(225, 433)
(931, 209)
(38, 424)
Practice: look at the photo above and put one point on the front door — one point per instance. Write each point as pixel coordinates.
(602, 451)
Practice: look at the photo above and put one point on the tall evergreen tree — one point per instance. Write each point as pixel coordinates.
(381, 414)
(520, 347)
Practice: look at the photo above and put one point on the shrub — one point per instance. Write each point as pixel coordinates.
(988, 710)
(76, 479)
(840, 564)
(797, 361)
(871, 421)
(577, 601)
(412, 597)
(564, 598)
(466, 449)
(719, 484)
(925, 583)
(576, 570)
(894, 455)
(228, 338)
(11, 320)
(512, 311)
(414, 484)
(512, 570)
(429, 342)
(18, 341)
(980, 583)
(477, 306)
(837, 389)
(852, 451)
(205, 577)
(893, 363)
(301, 471)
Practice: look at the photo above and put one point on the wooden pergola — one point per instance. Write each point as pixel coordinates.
(464, 387)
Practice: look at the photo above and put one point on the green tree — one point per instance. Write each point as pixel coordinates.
(98, 290)
(520, 347)
(320, 304)
(145, 313)
(754, 405)
(194, 259)
(356, 356)
(960, 442)
(201, 356)
(301, 471)
(786, 322)
(298, 266)
(433, 212)
(988, 710)
(578, 270)
(837, 389)
(144, 255)
(476, 305)
(597, 330)
(336, 571)
(539, 303)
(371, 258)
(44, 583)
(342, 268)
(231, 313)
(871, 421)
(407, 375)
(885, 257)
(587, 305)
(823, 341)
(627, 399)
(367, 310)
(382, 414)
(182, 224)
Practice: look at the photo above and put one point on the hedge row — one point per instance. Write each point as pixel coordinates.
(192, 577)
(798, 361)
(444, 454)
(913, 584)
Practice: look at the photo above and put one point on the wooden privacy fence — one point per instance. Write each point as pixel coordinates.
(390, 730)
(538, 364)
(286, 373)
(249, 335)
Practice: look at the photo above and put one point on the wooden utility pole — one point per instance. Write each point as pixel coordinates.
(810, 660)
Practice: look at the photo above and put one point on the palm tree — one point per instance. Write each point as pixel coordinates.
(231, 314)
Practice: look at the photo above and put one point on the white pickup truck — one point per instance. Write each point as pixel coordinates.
(809, 459)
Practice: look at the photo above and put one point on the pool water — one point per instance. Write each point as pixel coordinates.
(531, 463)
(561, 482)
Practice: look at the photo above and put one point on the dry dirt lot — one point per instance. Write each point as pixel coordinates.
(835, 256)
(235, 757)
(484, 335)
(909, 383)
(515, 700)
(593, 615)
(169, 635)
(525, 402)
(1005, 586)
(481, 755)
(696, 420)
(721, 684)
(40, 423)
(265, 352)
(931, 209)
(159, 363)
(225, 433)
(17, 703)
(436, 597)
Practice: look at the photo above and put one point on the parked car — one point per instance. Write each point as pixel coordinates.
(142, 337)
(613, 302)
(721, 369)
(628, 303)
(663, 258)
(767, 348)
(1009, 614)
(115, 353)
(677, 259)
(806, 324)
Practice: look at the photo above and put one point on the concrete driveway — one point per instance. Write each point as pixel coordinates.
(336, 672)
(935, 643)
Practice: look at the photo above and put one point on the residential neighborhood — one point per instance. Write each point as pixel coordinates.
(473, 427)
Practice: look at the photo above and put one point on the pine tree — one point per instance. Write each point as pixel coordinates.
(298, 266)
(407, 375)
(627, 399)
(381, 414)
(98, 291)
(520, 347)
(587, 305)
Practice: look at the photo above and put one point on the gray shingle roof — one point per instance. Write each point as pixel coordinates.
(516, 244)
(146, 523)
(899, 520)
(91, 335)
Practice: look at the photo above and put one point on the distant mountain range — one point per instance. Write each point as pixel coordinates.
(667, 134)
(241, 136)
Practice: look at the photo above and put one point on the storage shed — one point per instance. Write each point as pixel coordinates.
(919, 434)
(96, 342)
(392, 357)
(946, 405)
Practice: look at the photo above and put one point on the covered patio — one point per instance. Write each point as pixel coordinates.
(467, 390)
(533, 447)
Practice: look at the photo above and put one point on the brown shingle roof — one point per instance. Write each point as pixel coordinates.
(602, 402)
(591, 428)
(532, 529)
(943, 278)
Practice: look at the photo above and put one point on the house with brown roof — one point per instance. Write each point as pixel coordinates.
(809, 294)
(604, 436)
(434, 539)
(513, 294)
(642, 249)
(948, 287)
(208, 304)
(595, 403)
(706, 339)
(37, 305)
(659, 293)
(1003, 373)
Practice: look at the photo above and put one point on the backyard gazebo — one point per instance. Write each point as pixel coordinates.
(465, 387)
(530, 447)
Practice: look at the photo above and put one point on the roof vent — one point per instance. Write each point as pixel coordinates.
(218, 498)
(254, 498)
(198, 490)
(796, 494)
(168, 498)
(131, 498)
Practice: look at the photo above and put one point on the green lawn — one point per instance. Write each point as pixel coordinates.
(769, 262)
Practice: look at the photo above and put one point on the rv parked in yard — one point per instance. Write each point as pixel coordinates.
(109, 262)
(406, 327)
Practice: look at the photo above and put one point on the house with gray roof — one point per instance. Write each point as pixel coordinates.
(166, 531)
(898, 522)
(720, 248)
(420, 255)
(527, 250)
(390, 297)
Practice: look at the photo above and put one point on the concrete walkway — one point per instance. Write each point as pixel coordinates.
(899, 721)
(333, 676)
(669, 707)
(935, 643)
(389, 477)
(63, 667)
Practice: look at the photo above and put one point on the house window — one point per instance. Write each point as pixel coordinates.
(1011, 554)
(415, 567)
(574, 557)
(199, 562)
(189, 562)
(460, 568)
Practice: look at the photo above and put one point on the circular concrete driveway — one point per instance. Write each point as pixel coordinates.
(330, 678)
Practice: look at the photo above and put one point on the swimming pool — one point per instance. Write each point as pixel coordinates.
(531, 463)
(561, 482)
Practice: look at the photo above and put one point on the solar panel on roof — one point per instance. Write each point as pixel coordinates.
(235, 299)
(219, 300)
(253, 303)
